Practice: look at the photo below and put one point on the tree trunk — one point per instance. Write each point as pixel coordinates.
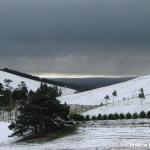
(141, 101)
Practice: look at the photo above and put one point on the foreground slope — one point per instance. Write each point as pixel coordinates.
(87, 137)
(31, 84)
(125, 90)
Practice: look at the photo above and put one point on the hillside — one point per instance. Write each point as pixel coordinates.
(37, 78)
(31, 84)
(126, 100)
(90, 83)
(131, 105)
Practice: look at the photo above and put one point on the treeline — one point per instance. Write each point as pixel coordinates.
(116, 116)
(43, 80)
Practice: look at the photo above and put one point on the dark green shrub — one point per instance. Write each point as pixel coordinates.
(148, 114)
(77, 117)
(135, 116)
(111, 117)
(116, 116)
(87, 118)
(99, 117)
(122, 116)
(94, 118)
(105, 117)
(142, 114)
(128, 116)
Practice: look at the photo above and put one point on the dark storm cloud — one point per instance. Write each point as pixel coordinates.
(83, 36)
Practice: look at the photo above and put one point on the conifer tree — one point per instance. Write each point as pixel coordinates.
(2, 99)
(40, 112)
(135, 116)
(8, 96)
(142, 114)
(141, 95)
(148, 114)
(106, 99)
(128, 116)
(114, 94)
(122, 116)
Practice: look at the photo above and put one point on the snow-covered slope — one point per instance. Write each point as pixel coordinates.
(131, 105)
(92, 136)
(126, 100)
(128, 90)
(31, 84)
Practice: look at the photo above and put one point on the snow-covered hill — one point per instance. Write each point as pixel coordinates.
(126, 100)
(31, 84)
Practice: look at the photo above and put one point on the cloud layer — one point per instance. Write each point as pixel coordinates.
(81, 36)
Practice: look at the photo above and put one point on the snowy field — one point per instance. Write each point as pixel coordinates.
(31, 84)
(86, 138)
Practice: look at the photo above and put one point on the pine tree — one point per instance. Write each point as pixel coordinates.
(8, 96)
(122, 116)
(40, 113)
(148, 114)
(2, 99)
(111, 117)
(141, 95)
(19, 95)
(7, 83)
(116, 116)
(99, 117)
(105, 117)
(1, 88)
(135, 116)
(114, 94)
(87, 118)
(106, 99)
(142, 114)
(128, 116)
(93, 118)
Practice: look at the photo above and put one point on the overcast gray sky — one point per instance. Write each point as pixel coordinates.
(76, 36)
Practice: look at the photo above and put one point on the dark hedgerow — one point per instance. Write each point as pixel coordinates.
(135, 116)
(116, 116)
(122, 116)
(99, 117)
(143, 114)
(105, 117)
(77, 117)
(128, 116)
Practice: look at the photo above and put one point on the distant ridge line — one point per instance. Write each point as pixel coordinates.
(35, 78)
